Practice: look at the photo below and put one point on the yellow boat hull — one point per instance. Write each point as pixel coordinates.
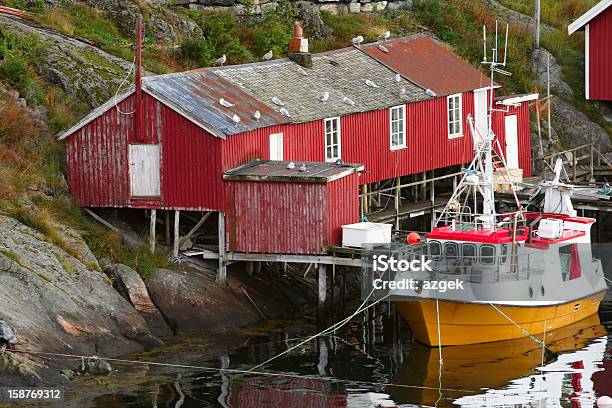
(471, 323)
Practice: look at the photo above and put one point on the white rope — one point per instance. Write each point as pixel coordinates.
(233, 370)
(525, 332)
(121, 85)
(341, 323)
(440, 355)
(608, 279)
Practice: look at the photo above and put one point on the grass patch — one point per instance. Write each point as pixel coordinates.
(11, 255)
(556, 13)
(44, 277)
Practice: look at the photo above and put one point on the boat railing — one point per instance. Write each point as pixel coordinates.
(464, 219)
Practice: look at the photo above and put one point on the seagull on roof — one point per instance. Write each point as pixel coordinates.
(357, 40)
(277, 101)
(402, 92)
(324, 97)
(291, 165)
(302, 71)
(284, 112)
(383, 48)
(371, 83)
(220, 61)
(430, 92)
(398, 78)
(386, 35)
(236, 119)
(267, 56)
(257, 115)
(348, 101)
(225, 103)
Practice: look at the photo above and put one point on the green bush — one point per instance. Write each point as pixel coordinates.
(275, 37)
(196, 52)
(15, 73)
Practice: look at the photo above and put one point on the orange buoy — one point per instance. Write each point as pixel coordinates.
(413, 238)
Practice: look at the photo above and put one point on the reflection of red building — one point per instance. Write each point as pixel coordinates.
(285, 393)
(602, 380)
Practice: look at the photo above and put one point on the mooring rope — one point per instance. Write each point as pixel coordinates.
(232, 370)
(332, 328)
(524, 331)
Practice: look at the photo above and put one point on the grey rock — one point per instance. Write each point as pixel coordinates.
(7, 334)
(576, 128)
(56, 303)
(399, 5)
(132, 288)
(310, 16)
(354, 7)
(96, 366)
(557, 85)
(160, 30)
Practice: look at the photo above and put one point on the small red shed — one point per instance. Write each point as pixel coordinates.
(290, 208)
(597, 26)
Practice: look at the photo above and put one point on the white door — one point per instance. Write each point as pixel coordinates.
(276, 146)
(480, 115)
(512, 142)
(144, 170)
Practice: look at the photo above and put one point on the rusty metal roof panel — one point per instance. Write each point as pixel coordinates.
(341, 73)
(197, 95)
(298, 172)
(429, 64)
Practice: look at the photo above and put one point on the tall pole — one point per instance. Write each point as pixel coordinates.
(139, 119)
(536, 33)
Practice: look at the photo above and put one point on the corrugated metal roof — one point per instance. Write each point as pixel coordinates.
(429, 64)
(306, 172)
(197, 95)
(342, 73)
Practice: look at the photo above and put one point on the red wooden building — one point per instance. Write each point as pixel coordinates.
(597, 26)
(395, 112)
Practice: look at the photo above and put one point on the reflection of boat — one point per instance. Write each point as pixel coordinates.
(510, 366)
(524, 272)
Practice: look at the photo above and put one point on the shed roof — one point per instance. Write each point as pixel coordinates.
(343, 73)
(588, 16)
(429, 64)
(302, 172)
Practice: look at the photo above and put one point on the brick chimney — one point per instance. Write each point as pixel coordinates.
(298, 47)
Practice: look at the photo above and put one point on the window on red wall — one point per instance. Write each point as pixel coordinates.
(397, 118)
(332, 139)
(455, 128)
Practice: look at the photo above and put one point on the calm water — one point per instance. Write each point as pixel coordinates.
(342, 371)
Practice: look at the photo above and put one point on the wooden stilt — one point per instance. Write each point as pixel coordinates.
(322, 285)
(221, 275)
(153, 217)
(398, 197)
(177, 221)
(364, 203)
(167, 226)
(196, 227)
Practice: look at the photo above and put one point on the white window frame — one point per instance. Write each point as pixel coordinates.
(402, 131)
(459, 132)
(326, 135)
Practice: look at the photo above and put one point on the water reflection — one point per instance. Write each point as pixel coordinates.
(508, 372)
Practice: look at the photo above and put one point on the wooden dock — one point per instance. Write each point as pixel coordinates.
(408, 210)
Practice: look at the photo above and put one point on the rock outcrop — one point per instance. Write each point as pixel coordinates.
(56, 303)
(192, 301)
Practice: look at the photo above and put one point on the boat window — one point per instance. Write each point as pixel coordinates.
(451, 249)
(468, 251)
(504, 253)
(487, 254)
(435, 250)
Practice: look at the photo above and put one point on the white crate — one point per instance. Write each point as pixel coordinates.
(356, 235)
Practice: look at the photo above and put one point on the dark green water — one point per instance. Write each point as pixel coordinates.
(341, 371)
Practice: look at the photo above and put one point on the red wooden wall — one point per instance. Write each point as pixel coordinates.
(600, 56)
(524, 133)
(289, 218)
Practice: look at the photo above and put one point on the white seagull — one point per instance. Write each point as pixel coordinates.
(398, 78)
(386, 35)
(371, 84)
(225, 103)
(267, 56)
(221, 61)
(284, 112)
(357, 40)
(430, 92)
(277, 101)
(383, 48)
(324, 97)
(348, 101)
(257, 115)
(236, 119)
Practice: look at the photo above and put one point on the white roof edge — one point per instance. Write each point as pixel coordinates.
(588, 16)
(96, 113)
(513, 100)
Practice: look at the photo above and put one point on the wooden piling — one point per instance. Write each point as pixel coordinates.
(167, 226)
(322, 278)
(153, 217)
(177, 220)
(222, 273)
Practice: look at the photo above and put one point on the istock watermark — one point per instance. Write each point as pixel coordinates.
(384, 263)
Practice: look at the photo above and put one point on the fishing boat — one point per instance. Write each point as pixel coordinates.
(523, 272)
